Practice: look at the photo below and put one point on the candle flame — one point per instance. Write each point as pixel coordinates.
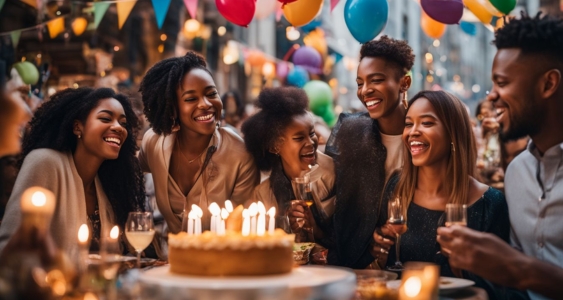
(38, 198)
(261, 208)
(114, 233)
(197, 210)
(245, 213)
(192, 215)
(229, 206)
(83, 233)
(272, 212)
(224, 214)
(214, 209)
(253, 209)
(413, 286)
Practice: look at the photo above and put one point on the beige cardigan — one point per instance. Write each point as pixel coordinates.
(230, 175)
(56, 172)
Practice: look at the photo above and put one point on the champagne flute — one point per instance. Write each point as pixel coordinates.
(398, 224)
(456, 214)
(139, 231)
(303, 190)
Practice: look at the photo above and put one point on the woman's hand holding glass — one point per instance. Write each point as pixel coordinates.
(383, 239)
(301, 220)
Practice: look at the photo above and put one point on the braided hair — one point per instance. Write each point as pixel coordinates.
(52, 128)
(159, 87)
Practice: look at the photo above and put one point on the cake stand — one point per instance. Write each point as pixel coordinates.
(306, 282)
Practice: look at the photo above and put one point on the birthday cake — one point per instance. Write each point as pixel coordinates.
(231, 254)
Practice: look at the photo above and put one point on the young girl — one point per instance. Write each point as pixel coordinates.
(82, 148)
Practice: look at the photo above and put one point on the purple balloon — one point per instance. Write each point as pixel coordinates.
(282, 69)
(308, 58)
(443, 11)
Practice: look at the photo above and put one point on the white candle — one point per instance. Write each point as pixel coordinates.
(252, 211)
(191, 220)
(261, 227)
(215, 211)
(245, 222)
(198, 213)
(224, 216)
(229, 206)
(272, 222)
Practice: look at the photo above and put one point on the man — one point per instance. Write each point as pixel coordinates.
(528, 97)
(367, 148)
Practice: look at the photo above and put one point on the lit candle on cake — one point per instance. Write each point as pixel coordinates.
(245, 222)
(261, 227)
(272, 222)
(215, 211)
(224, 216)
(252, 211)
(229, 206)
(198, 213)
(191, 220)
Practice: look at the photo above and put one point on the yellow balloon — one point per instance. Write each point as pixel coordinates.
(431, 27)
(316, 39)
(491, 8)
(301, 12)
(479, 10)
(79, 25)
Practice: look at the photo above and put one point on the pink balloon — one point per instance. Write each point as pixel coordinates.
(239, 12)
(264, 8)
(282, 69)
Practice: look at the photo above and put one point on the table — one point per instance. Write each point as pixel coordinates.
(470, 293)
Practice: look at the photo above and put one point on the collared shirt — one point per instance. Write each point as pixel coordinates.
(534, 192)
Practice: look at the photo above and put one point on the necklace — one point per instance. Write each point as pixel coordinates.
(182, 153)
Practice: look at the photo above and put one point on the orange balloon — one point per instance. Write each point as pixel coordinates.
(302, 12)
(431, 27)
(255, 58)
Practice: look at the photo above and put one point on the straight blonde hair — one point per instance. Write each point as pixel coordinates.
(463, 155)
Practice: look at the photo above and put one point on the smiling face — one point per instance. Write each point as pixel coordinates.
(199, 104)
(104, 132)
(425, 135)
(14, 114)
(298, 145)
(379, 86)
(515, 80)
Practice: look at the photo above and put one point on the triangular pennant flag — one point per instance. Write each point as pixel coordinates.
(123, 10)
(15, 35)
(30, 3)
(191, 5)
(333, 4)
(160, 10)
(56, 26)
(2, 3)
(100, 9)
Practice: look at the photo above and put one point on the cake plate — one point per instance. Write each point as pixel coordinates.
(305, 282)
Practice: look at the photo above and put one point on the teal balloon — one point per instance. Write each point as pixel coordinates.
(504, 6)
(297, 77)
(366, 18)
(320, 96)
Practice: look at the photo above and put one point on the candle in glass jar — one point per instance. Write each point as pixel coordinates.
(245, 222)
(272, 221)
(261, 227)
(252, 211)
(215, 211)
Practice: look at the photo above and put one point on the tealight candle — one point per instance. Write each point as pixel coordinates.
(252, 211)
(261, 227)
(245, 222)
(215, 211)
(229, 206)
(224, 216)
(272, 221)
(419, 281)
(198, 213)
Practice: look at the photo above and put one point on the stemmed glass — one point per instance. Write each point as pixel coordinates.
(139, 231)
(303, 194)
(398, 224)
(456, 214)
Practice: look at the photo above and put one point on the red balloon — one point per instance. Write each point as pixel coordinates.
(284, 2)
(239, 12)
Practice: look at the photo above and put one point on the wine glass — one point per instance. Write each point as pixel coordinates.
(139, 231)
(456, 214)
(303, 190)
(398, 224)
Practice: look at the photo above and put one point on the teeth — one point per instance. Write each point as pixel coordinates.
(204, 118)
(416, 143)
(308, 154)
(113, 140)
(371, 103)
(499, 111)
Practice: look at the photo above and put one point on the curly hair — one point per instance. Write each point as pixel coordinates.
(539, 34)
(159, 86)
(238, 102)
(262, 130)
(52, 127)
(396, 51)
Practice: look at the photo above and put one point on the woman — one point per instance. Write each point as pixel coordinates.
(234, 113)
(281, 138)
(191, 158)
(367, 148)
(14, 114)
(440, 158)
(81, 146)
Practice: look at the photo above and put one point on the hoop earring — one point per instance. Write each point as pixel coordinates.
(405, 101)
(79, 136)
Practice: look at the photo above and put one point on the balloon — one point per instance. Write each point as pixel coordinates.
(329, 117)
(431, 28)
(468, 28)
(320, 96)
(366, 18)
(297, 77)
(282, 69)
(239, 12)
(316, 22)
(28, 72)
(504, 6)
(264, 8)
(301, 12)
(284, 2)
(308, 58)
(255, 58)
(477, 7)
(316, 39)
(443, 11)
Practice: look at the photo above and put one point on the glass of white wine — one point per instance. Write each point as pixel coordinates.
(398, 224)
(456, 214)
(139, 231)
